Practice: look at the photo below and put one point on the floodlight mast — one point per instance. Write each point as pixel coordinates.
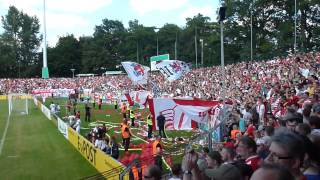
(221, 17)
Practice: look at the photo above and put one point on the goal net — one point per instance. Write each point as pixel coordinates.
(18, 104)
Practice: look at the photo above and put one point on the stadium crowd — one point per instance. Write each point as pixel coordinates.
(272, 132)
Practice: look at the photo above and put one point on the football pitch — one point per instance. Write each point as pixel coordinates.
(32, 148)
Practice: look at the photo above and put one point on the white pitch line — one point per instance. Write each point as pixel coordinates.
(139, 138)
(4, 134)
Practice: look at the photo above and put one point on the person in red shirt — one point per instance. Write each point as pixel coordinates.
(291, 99)
(247, 149)
(250, 130)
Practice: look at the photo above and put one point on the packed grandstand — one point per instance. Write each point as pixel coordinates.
(272, 124)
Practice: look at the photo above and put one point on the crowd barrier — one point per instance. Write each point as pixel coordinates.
(97, 158)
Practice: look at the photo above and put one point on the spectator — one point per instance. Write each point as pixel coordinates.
(247, 150)
(303, 129)
(150, 125)
(228, 155)
(315, 128)
(176, 172)
(287, 150)
(87, 112)
(100, 143)
(274, 172)
(224, 172)
(126, 134)
(292, 119)
(152, 172)
(311, 163)
(76, 126)
(114, 148)
(160, 122)
(52, 108)
(214, 159)
(157, 150)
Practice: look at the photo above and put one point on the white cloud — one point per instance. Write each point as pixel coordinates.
(65, 21)
(69, 6)
(77, 6)
(62, 16)
(193, 11)
(146, 6)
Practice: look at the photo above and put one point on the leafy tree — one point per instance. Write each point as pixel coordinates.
(21, 37)
(64, 56)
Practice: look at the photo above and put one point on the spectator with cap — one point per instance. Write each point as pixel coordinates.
(287, 150)
(292, 119)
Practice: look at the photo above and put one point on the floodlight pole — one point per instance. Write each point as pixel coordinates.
(175, 46)
(295, 27)
(251, 44)
(222, 63)
(157, 45)
(72, 72)
(137, 52)
(45, 70)
(195, 46)
(201, 40)
(157, 29)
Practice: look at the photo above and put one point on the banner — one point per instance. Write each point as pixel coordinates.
(140, 98)
(3, 97)
(172, 69)
(42, 91)
(101, 161)
(62, 92)
(136, 72)
(46, 111)
(63, 128)
(35, 101)
(55, 92)
(181, 114)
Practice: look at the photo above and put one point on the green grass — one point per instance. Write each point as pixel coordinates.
(34, 149)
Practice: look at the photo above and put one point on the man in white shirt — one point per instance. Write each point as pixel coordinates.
(76, 126)
(52, 108)
(260, 111)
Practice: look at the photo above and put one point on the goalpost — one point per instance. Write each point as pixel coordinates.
(18, 103)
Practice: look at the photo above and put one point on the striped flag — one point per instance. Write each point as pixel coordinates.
(136, 72)
(173, 69)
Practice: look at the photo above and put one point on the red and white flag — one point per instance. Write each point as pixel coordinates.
(136, 72)
(140, 97)
(181, 114)
(172, 69)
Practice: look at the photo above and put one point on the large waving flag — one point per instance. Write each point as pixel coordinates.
(173, 69)
(136, 72)
(182, 114)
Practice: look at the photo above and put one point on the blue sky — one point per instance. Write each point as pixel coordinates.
(79, 17)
